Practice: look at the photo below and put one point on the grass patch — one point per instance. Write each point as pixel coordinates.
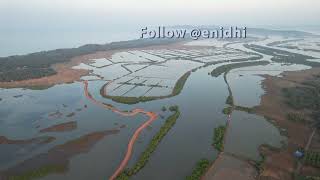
(180, 84)
(259, 164)
(302, 97)
(296, 117)
(225, 68)
(229, 100)
(300, 177)
(312, 158)
(218, 137)
(199, 170)
(305, 97)
(244, 109)
(227, 110)
(130, 100)
(173, 108)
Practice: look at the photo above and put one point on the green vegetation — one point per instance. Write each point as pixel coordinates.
(283, 56)
(259, 164)
(124, 175)
(276, 43)
(144, 158)
(312, 158)
(229, 100)
(199, 170)
(305, 97)
(38, 87)
(180, 84)
(38, 173)
(296, 117)
(227, 110)
(39, 64)
(244, 109)
(299, 177)
(256, 57)
(24, 73)
(226, 68)
(218, 137)
(173, 108)
(134, 100)
(130, 100)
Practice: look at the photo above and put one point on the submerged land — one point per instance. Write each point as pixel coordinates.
(206, 109)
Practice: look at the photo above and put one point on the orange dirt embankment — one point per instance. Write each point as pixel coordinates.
(152, 117)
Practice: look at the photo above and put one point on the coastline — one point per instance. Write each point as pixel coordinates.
(65, 73)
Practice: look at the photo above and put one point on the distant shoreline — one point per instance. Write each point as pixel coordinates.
(36, 68)
(65, 73)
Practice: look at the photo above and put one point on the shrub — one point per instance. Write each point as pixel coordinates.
(200, 168)
(218, 137)
(227, 110)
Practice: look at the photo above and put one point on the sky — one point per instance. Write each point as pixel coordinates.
(35, 25)
(122, 13)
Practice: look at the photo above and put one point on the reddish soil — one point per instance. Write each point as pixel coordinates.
(152, 117)
(228, 167)
(39, 140)
(58, 156)
(68, 126)
(65, 74)
(281, 164)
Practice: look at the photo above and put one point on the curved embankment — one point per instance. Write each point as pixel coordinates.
(152, 117)
(134, 100)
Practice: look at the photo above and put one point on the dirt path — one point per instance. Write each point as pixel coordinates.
(152, 117)
(310, 140)
(306, 148)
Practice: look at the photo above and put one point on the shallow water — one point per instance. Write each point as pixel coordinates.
(246, 82)
(201, 102)
(247, 132)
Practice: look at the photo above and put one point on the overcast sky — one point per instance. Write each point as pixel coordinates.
(66, 14)
(35, 25)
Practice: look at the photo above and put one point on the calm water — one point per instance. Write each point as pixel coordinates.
(19, 43)
(245, 82)
(201, 103)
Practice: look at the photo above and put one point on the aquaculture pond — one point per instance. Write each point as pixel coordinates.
(75, 131)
